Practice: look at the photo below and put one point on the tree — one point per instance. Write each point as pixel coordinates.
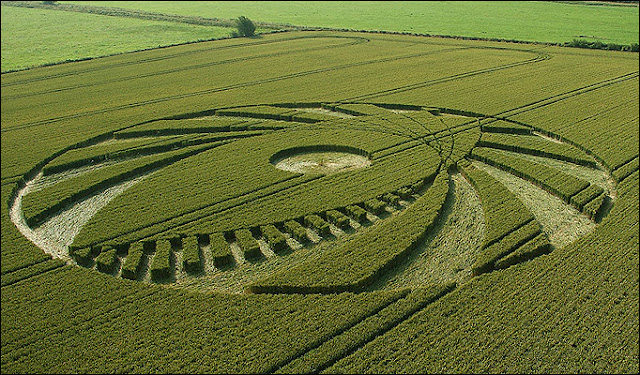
(245, 27)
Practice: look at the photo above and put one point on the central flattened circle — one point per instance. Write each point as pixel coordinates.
(321, 162)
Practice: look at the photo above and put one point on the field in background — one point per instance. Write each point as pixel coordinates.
(32, 37)
(534, 21)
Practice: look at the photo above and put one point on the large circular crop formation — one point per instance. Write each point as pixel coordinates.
(311, 197)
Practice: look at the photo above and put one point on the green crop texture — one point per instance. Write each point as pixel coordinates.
(132, 263)
(322, 202)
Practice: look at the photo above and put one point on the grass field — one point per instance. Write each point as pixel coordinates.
(32, 37)
(493, 228)
(535, 21)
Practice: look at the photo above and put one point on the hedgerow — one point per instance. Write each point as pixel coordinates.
(248, 244)
(276, 240)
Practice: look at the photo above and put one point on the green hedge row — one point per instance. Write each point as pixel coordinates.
(374, 206)
(391, 199)
(319, 224)
(106, 261)
(357, 213)
(338, 218)
(297, 231)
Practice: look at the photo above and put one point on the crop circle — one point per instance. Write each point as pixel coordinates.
(320, 160)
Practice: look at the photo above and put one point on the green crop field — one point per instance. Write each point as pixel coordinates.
(323, 202)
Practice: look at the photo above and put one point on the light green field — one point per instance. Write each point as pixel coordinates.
(538, 21)
(32, 37)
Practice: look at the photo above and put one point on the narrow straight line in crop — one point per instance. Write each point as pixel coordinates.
(269, 80)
